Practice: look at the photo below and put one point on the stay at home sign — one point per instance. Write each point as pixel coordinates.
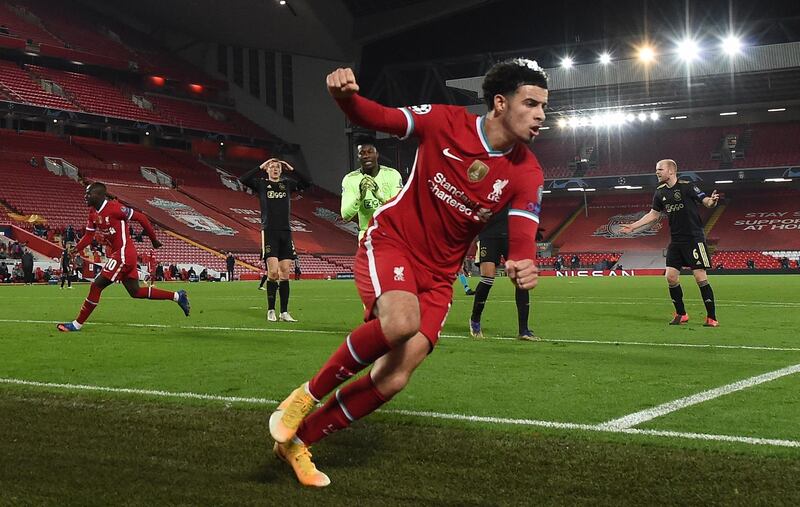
(769, 221)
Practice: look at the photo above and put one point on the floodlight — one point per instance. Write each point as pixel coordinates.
(688, 50)
(732, 45)
(646, 54)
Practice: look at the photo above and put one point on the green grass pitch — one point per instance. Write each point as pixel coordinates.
(146, 406)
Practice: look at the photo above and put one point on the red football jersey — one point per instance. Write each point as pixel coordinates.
(457, 183)
(112, 221)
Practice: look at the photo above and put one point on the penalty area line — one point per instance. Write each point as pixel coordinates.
(649, 414)
(422, 414)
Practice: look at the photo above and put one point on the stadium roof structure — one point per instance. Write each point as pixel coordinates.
(757, 75)
(332, 29)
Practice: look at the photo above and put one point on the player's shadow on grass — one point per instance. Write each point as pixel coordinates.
(350, 448)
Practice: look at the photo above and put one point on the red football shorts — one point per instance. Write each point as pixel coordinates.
(381, 266)
(116, 268)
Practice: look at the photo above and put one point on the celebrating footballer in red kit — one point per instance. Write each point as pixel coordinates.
(467, 168)
(111, 219)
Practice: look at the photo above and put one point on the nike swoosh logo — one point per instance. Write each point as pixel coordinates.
(446, 153)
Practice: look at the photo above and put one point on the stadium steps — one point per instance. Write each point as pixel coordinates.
(566, 224)
(5, 209)
(713, 219)
(642, 260)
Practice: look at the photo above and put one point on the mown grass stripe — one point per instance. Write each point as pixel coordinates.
(489, 337)
(424, 414)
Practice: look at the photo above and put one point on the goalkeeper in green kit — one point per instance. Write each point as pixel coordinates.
(367, 188)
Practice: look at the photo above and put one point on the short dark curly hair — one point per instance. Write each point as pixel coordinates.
(364, 139)
(505, 77)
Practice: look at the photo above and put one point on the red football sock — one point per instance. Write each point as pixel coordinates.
(354, 401)
(153, 293)
(361, 348)
(89, 304)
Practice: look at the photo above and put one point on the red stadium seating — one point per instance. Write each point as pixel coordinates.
(188, 217)
(595, 232)
(97, 96)
(555, 212)
(190, 115)
(20, 86)
(772, 145)
(598, 232)
(22, 24)
(738, 260)
(34, 190)
(587, 259)
(177, 251)
(637, 151)
(78, 29)
(554, 154)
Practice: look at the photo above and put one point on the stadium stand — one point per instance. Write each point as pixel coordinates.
(36, 191)
(175, 250)
(190, 115)
(758, 219)
(97, 96)
(634, 152)
(21, 86)
(739, 260)
(344, 261)
(187, 217)
(596, 230)
(553, 155)
(591, 260)
(78, 30)
(555, 212)
(697, 149)
(23, 24)
(310, 265)
(771, 145)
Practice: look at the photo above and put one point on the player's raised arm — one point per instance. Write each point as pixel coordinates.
(147, 226)
(648, 219)
(343, 88)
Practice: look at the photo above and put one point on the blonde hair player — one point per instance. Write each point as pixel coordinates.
(679, 199)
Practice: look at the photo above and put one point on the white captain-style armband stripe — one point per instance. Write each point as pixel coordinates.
(524, 214)
(89, 229)
(410, 122)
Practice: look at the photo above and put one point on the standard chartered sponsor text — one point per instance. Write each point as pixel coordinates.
(450, 194)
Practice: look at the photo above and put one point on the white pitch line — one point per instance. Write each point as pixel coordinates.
(425, 414)
(643, 416)
(458, 336)
(629, 301)
(679, 345)
(144, 392)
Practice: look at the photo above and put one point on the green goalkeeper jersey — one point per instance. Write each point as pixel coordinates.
(389, 184)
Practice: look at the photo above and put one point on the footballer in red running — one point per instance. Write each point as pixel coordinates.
(467, 169)
(111, 220)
